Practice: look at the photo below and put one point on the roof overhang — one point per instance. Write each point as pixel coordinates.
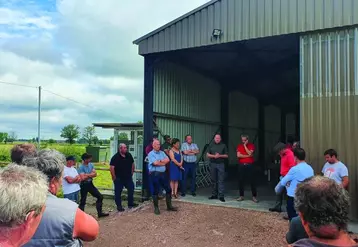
(120, 126)
(137, 41)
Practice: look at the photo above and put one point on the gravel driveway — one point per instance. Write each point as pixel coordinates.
(193, 225)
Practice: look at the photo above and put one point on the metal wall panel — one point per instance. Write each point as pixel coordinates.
(190, 103)
(291, 125)
(182, 92)
(243, 111)
(202, 133)
(243, 119)
(272, 129)
(248, 19)
(329, 100)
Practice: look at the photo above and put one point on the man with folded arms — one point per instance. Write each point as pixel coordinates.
(158, 178)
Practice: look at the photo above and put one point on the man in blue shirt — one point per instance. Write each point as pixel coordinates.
(157, 161)
(87, 173)
(295, 176)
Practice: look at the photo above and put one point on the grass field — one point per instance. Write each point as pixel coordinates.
(75, 149)
(103, 178)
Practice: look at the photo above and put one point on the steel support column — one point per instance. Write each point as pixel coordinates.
(261, 135)
(147, 118)
(225, 114)
(283, 126)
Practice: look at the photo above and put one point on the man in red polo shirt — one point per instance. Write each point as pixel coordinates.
(287, 162)
(245, 155)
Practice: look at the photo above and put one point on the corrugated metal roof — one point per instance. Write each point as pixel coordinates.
(248, 19)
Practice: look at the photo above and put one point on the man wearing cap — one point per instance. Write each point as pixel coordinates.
(71, 180)
(87, 173)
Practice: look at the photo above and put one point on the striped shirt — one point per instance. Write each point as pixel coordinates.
(189, 158)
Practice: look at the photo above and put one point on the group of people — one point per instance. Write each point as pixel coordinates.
(32, 215)
(30, 212)
(169, 165)
(317, 206)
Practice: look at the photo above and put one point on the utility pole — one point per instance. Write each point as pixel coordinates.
(39, 121)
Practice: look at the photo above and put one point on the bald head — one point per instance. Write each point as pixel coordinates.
(156, 145)
(122, 148)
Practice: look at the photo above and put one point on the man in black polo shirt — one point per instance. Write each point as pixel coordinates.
(217, 153)
(122, 169)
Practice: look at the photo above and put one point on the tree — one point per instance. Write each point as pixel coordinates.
(11, 137)
(95, 140)
(123, 136)
(88, 134)
(51, 141)
(70, 132)
(3, 137)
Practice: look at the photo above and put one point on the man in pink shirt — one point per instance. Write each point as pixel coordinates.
(287, 162)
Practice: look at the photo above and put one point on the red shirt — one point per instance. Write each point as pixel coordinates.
(287, 161)
(149, 148)
(242, 150)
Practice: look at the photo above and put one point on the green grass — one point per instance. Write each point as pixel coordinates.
(103, 179)
(76, 149)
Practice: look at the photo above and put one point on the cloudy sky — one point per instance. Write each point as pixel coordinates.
(81, 50)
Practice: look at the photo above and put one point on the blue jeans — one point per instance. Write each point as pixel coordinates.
(190, 168)
(72, 196)
(159, 180)
(291, 212)
(119, 184)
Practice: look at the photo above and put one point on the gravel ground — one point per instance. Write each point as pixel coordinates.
(193, 225)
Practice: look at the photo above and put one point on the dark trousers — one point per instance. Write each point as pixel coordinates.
(217, 177)
(159, 180)
(119, 184)
(280, 197)
(190, 169)
(291, 212)
(88, 187)
(247, 173)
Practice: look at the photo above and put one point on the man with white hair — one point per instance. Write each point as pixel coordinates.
(23, 192)
(63, 223)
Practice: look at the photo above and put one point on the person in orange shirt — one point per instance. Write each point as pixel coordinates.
(287, 162)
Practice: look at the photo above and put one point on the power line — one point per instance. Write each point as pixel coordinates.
(56, 94)
(67, 98)
(17, 84)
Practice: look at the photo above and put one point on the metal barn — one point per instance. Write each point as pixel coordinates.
(269, 68)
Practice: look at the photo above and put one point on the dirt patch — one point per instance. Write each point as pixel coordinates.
(193, 225)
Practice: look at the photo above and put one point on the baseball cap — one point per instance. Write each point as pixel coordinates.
(71, 157)
(86, 156)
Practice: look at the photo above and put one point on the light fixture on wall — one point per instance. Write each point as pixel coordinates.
(217, 33)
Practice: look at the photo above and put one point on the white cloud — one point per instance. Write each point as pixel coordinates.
(83, 51)
(21, 21)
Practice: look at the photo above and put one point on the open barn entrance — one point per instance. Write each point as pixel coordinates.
(259, 83)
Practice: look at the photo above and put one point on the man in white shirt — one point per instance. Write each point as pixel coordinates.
(335, 169)
(71, 180)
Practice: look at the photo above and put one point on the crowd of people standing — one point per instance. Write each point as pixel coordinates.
(32, 215)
